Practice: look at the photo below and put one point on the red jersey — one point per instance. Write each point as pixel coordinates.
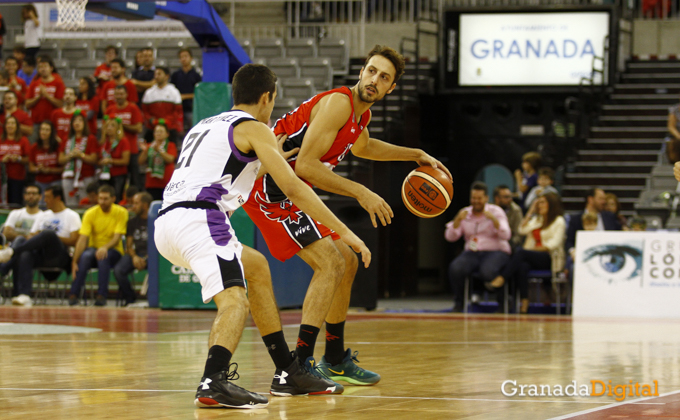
(106, 93)
(152, 182)
(45, 158)
(42, 110)
(102, 70)
(15, 170)
(20, 89)
(62, 123)
(116, 153)
(21, 115)
(87, 105)
(295, 124)
(129, 114)
(89, 145)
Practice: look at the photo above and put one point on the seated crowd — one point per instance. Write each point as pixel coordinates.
(110, 129)
(503, 246)
(59, 241)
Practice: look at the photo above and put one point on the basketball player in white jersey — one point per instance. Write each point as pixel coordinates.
(215, 173)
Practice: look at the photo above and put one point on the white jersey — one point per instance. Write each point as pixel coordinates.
(210, 168)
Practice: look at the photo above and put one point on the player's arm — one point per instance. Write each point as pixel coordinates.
(374, 149)
(256, 136)
(332, 115)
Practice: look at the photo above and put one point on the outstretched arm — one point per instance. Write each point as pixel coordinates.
(374, 149)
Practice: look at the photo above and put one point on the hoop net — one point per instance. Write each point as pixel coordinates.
(71, 14)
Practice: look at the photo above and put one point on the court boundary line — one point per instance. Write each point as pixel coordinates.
(339, 395)
(612, 405)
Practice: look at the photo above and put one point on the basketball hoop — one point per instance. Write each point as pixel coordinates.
(71, 14)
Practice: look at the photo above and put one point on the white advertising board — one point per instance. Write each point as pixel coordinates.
(529, 49)
(627, 274)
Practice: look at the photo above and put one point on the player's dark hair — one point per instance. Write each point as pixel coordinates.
(106, 188)
(57, 191)
(52, 141)
(47, 59)
(164, 69)
(391, 54)
(479, 186)
(17, 134)
(91, 89)
(252, 81)
(86, 128)
(554, 208)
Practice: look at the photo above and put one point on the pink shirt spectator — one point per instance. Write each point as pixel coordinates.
(480, 233)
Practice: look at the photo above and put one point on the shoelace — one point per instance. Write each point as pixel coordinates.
(232, 375)
(354, 356)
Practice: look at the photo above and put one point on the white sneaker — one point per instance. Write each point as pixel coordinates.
(22, 300)
(6, 254)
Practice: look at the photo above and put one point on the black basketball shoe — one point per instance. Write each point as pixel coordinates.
(300, 379)
(218, 391)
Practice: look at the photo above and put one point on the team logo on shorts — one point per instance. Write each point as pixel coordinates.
(279, 212)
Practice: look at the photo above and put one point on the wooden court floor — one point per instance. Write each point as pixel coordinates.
(146, 364)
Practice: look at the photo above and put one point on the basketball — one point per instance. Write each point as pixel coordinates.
(427, 192)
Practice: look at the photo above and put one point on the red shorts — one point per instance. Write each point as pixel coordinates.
(285, 227)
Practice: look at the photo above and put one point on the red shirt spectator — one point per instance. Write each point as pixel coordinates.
(103, 72)
(131, 118)
(160, 157)
(88, 102)
(62, 122)
(89, 145)
(25, 121)
(45, 163)
(108, 91)
(45, 92)
(163, 100)
(14, 152)
(114, 146)
(17, 84)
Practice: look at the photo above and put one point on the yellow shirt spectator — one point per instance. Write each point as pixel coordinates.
(100, 227)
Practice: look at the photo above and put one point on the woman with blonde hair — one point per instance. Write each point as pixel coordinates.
(545, 231)
(114, 155)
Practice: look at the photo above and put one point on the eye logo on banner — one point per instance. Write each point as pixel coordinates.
(614, 262)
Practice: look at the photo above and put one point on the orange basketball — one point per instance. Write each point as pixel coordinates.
(427, 192)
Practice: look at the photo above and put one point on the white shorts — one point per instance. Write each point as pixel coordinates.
(203, 241)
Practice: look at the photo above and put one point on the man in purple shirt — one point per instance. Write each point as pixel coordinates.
(487, 250)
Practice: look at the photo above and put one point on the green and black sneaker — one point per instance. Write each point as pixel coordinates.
(348, 371)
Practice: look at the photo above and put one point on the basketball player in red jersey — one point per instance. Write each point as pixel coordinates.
(325, 128)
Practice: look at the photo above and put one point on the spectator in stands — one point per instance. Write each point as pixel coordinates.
(595, 203)
(502, 196)
(589, 221)
(486, 231)
(117, 78)
(79, 155)
(92, 192)
(672, 141)
(186, 79)
(131, 117)
(612, 205)
(28, 70)
(61, 117)
(163, 100)
(99, 244)
(130, 192)
(103, 72)
(143, 76)
(114, 155)
(52, 234)
(88, 102)
(44, 159)
(527, 178)
(19, 52)
(160, 156)
(15, 151)
(9, 101)
(19, 222)
(29, 16)
(136, 240)
(15, 83)
(638, 224)
(546, 179)
(45, 93)
(544, 228)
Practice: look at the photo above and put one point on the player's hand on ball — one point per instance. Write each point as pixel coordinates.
(430, 161)
(375, 205)
(676, 171)
(358, 246)
(280, 139)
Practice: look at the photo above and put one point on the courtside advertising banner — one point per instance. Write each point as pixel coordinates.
(627, 274)
(529, 49)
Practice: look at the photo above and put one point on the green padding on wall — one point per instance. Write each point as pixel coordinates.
(179, 287)
(211, 98)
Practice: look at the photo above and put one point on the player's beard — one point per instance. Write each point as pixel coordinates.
(365, 97)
